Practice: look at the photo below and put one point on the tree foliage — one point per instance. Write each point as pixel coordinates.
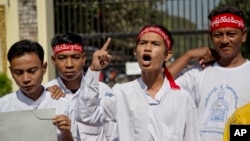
(121, 18)
(131, 16)
(5, 84)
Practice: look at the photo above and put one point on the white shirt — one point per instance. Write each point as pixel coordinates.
(80, 131)
(170, 116)
(17, 101)
(217, 92)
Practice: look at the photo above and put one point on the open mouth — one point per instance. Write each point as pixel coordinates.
(146, 57)
(146, 60)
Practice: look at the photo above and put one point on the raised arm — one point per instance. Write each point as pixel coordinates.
(101, 58)
(204, 56)
(90, 108)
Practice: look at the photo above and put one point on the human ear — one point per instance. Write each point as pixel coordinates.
(169, 55)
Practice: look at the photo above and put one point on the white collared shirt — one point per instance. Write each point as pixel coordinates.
(80, 131)
(17, 101)
(170, 116)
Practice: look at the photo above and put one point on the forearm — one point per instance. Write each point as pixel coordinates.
(179, 64)
(67, 136)
(90, 107)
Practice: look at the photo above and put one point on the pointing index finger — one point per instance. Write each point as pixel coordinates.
(105, 46)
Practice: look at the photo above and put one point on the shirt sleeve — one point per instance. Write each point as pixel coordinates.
(187, 80)
(90, 108)
(191, 129)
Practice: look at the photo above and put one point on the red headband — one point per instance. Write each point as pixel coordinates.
(226, 20)
(67, 47)
(156, 30)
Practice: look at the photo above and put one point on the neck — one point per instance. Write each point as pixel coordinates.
(230, 63)
(34, 96)
(153, 81)
(74, 84)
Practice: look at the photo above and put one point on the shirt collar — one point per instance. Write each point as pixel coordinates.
(29, 101)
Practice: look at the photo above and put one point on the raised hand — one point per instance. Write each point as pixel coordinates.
(204, 55)
(101, 58)
(207, 56)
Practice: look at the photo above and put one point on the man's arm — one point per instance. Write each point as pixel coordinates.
(191, 129)
(204, 55)
(88, 107)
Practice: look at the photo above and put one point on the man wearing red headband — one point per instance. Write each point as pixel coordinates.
(221, 87)
(152, 107)
(69, 59)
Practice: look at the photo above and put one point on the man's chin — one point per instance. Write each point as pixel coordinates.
(69, 78)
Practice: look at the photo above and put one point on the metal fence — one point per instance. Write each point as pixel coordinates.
(121, 20)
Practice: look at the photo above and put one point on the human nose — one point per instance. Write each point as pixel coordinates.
(26, 78)
(147, 47)
(69, 63)
(224, 39)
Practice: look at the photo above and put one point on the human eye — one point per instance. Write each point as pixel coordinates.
(17, 72)
(156, 43)
(231, 34)
(217, 35)
(61, 57)
(141, 42)
(78, 56)
(32, 70)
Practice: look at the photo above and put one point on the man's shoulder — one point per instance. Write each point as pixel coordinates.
(7, 101)
(191, 70)
(60, 100)
(181, 93)
(8, 96)
(51, 83)
(129, 85)
(61, 105)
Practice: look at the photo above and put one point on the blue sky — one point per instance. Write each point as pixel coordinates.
(194, 10)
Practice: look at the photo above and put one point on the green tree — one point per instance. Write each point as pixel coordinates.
(5, 84)
(130, 16)
(98, 19)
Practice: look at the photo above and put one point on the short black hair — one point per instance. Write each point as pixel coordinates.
(67, 38)
(227, 9)
(25, 46)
